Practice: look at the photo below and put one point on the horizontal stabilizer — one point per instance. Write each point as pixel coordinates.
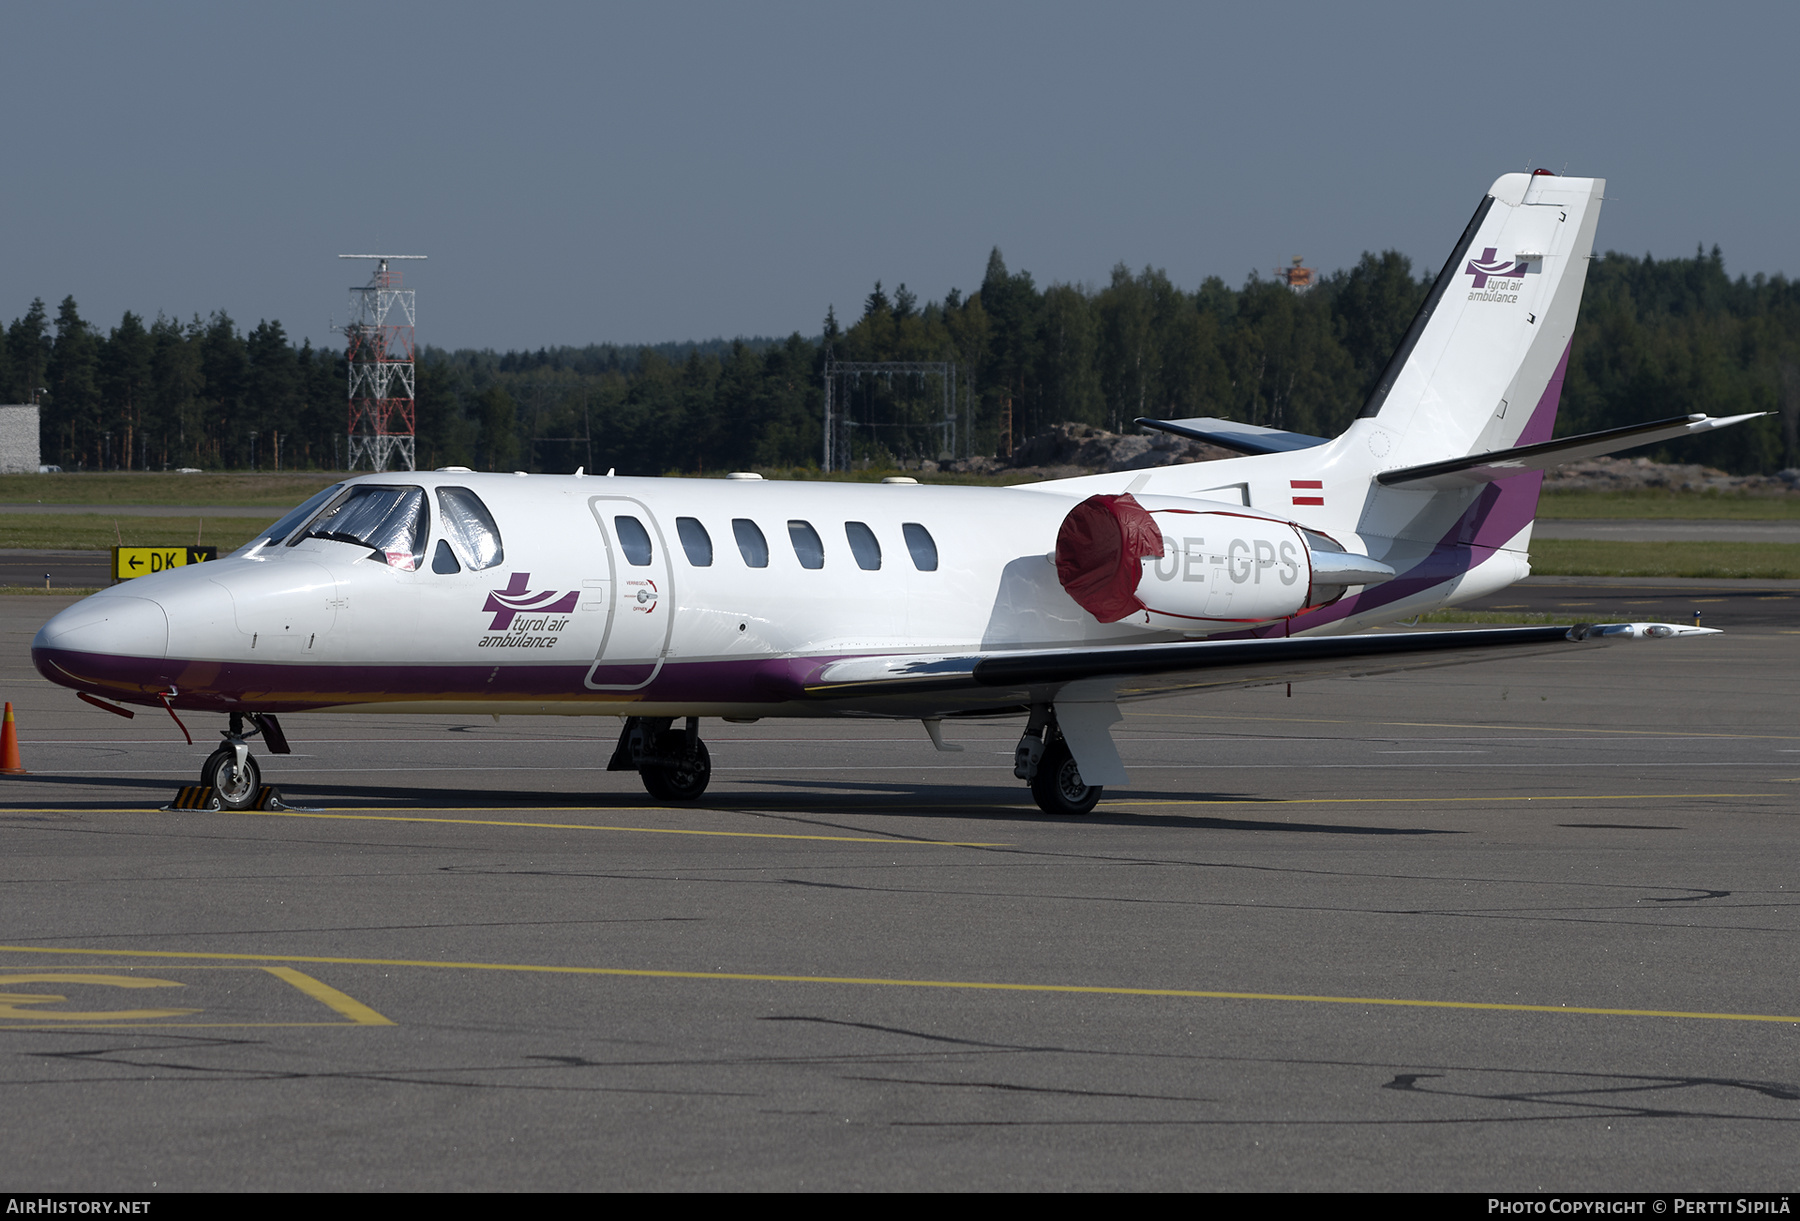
(1477, 469)
(1229, 434)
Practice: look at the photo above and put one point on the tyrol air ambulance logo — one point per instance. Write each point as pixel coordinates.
(1487, 268)
(526, 619)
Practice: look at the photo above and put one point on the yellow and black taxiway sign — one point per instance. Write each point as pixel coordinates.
(131, 562)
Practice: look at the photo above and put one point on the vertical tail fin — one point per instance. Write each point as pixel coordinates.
(1481, 366)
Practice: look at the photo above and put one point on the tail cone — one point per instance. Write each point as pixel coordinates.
(10, 764)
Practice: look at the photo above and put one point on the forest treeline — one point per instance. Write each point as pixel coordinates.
(1656, 338)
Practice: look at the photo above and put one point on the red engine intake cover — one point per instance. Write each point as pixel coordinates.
(1098, 551)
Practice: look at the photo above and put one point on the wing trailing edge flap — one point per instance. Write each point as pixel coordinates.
(1137, 671)
(1229, 434)
(1478, 469)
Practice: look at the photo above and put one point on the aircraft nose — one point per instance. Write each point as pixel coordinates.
(110, 624)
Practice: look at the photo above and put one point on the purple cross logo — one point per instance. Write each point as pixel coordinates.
(1487, 265)
(514, 600)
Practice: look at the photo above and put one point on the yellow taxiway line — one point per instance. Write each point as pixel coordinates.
(945, 984)
(355, 816)
(577, 826)
(329, 996)
(358, 1013)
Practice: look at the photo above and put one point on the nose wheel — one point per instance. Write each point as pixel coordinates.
(237, 782)
(230, 771)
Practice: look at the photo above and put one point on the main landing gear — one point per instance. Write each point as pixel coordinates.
(673, 763)
(231, 771)
(1042, 759)
(675, 766)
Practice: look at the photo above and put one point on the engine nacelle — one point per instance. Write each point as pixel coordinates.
(1170, 563)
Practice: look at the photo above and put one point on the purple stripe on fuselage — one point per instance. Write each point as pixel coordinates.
(275, 687)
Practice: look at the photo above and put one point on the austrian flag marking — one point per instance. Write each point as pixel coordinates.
(1299, 485)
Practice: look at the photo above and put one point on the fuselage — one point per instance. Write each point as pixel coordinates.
(628, 596)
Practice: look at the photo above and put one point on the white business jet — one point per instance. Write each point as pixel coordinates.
(665, 600)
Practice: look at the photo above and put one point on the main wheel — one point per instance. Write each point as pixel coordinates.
(1057, 787)
(683, 783)
(237, 789)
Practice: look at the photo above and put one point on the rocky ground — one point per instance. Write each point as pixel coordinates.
(1066, 450)
(1632, 474)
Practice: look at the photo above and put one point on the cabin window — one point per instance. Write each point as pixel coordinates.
(468, 521)
(695, 541)
(922, 546)
(392, 522)
(751, 543)
(288, 524)
(809, 549)
(634, 540)
(863, 545)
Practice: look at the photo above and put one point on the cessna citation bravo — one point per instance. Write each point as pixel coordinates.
(664, 601)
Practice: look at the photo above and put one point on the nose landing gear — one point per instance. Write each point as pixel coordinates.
(674, 764)
(231, 771)
(235, 776)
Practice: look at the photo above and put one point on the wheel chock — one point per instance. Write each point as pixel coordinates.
(270, 799)
(206, 797)
(195, 797)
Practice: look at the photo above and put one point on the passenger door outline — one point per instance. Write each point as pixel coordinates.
(621, 673)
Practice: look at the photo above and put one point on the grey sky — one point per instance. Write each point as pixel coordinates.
(583, 172)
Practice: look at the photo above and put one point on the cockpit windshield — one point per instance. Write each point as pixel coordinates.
(393, 522)
(292, 520)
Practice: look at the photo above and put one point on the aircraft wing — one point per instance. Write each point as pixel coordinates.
(972, 681)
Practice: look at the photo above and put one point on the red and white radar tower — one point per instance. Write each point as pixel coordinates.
(378, 345)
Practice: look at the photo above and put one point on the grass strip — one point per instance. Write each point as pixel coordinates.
(282, 491)
(60, 591)
(1660, 504)
(99, 532)
(1576, 557)
(1532, 618)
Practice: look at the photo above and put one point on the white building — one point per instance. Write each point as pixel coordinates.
(19, 440)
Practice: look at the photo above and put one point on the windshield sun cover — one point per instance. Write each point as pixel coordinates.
(392, 522)
(468, 521)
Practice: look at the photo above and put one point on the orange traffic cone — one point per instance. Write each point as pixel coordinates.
(10, 764)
